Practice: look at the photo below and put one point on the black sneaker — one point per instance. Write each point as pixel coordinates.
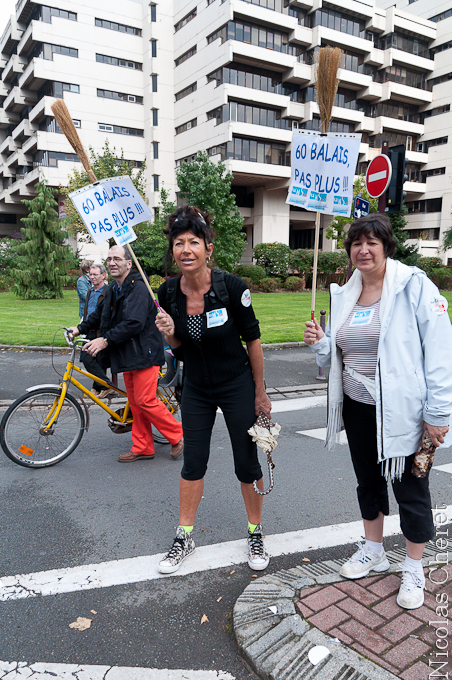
(183, 546)
(257, 555)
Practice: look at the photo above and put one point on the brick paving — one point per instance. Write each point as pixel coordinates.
(364, 615)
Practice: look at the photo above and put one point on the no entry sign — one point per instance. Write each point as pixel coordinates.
(378, 175)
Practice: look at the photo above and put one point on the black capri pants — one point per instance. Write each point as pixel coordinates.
(199, 405)
(411, 493)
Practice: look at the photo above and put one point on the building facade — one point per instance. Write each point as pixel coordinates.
(165, 79)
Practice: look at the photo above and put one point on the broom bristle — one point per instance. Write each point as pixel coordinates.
(326, 82)
(64, 120)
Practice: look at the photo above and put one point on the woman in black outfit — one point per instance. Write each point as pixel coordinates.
(207, 312)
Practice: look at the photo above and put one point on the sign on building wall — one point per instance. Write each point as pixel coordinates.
(323, 170)
(110, 208)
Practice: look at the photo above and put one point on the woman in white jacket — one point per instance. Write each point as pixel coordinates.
(388, 342)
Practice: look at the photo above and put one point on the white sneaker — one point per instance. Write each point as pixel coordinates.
(411, 592)
(258, 558)
(362, 562)
(183, 546)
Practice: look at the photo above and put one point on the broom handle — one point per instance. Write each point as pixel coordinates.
(314, 268)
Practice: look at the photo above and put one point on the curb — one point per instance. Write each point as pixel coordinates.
(47, 348)
(275, 640)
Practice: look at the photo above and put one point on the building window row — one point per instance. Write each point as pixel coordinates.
(53, 88)
(135, 164)
(433, 172)
(116, 61)
(402, 75)
(252, 150)
(183, 22)
(282, 7)
(441, 48)
(187, 159)
(439, 80)
(120, 130)
(46, 51)
(431, 205)
(253, 34)
(394, 139)
(186, 55)
(44, 13)
(114, 26)
(120, 96)
(424, 234)
(397, 110)
(437, 111)
(424, 146)
(253, 115)
(49, 124)
(187, 126)
(442, 15)
(337, 21)
(186, 91)
(50, 159)
(335, 125)
(405, 43)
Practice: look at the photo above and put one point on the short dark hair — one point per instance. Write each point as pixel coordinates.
(189, 218)
(127, 253)
(377, 224)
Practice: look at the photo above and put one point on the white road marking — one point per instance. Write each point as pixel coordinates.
(145, 568)
(65, 671)
(298, 404)
(320, 433)
(444, 468)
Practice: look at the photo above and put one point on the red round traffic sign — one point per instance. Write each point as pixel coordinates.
(378, 175)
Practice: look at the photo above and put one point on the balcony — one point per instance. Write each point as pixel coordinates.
(372, 92)
(8, 146)
(41, 109)
(255, 173)
(301, 35)
(31, 144)
(8, 118)
(24, 9)
(11, 36)
(259, 56)
(35, 75)
(328, 36)
(405, 93)
(353, 79)
(252, 96)
(406, 59)
(375, 57)
(299, 73)
(14, 66)
(22, 130)
(252, 12)
(416, 188)
(17, 99)
(260, 132)
(293, 110)
(366, 125)
(18, 158)
(387, 123)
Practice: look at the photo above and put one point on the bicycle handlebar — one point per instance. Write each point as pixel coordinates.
(71, 341)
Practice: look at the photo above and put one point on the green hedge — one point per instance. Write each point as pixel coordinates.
(252, 272)
(273, 257)
(294, 283)
(268, 285)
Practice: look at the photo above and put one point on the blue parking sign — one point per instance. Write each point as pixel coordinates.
(361, 207)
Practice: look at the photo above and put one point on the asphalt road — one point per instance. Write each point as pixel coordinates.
(90, 509)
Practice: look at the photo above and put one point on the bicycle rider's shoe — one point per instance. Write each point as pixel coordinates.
(107, 393)
(130, 457)
(177, 449)
(258, 557)
(183, 546)
(363, 561)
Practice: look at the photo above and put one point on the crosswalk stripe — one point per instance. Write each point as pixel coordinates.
(64, 671)
(444, 468)
(145, 568)
(320, 433)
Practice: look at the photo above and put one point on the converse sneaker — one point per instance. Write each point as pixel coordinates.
(257, 555)
(362, 562)
(411, 593)
(183, 546)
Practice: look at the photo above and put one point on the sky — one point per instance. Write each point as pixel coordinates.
(7, 7)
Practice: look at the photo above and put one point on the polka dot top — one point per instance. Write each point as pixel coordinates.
(194, 325)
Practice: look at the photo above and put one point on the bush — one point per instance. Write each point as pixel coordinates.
(74, 275)
(253, 272)
(5, 282)
(155, 281)
(427, 264)
(301, 260)
(442, 277)
(268, 285)
(251, 285)
(273, 257)
(294, 283)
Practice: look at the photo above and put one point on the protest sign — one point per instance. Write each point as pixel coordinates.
(323, 169)
(110, 208)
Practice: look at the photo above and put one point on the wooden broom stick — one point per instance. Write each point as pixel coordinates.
(326, 83)
(64, 120)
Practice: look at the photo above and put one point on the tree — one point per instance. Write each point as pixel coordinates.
(152, 244)
(207, 185)
(406, 254)
(336, 229)
(105, 164)
(447, 240)
(42, 260)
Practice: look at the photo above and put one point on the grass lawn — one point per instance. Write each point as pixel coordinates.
(34, 322)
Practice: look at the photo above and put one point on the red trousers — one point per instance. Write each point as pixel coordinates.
(141, 387)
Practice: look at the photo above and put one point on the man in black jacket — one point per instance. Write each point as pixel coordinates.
(127, 327)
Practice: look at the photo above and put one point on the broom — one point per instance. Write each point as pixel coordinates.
(326, 83)
(64, 120)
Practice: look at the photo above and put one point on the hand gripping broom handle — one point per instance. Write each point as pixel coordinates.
(64, 120)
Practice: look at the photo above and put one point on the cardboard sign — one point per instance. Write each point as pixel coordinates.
(110, 208)
(323, 170)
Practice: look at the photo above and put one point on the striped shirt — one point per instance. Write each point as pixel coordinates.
(358, 339)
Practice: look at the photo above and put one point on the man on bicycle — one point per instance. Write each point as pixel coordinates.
(127, 326)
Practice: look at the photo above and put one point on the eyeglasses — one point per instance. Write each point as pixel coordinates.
(109, 260)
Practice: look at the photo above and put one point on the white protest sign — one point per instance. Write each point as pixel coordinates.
(323, 168)
(110, 208)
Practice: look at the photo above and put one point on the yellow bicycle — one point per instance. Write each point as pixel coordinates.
(45, 425)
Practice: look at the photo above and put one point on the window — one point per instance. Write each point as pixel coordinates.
(185, 92)
(441, 48)
(153, 9)
(46, 51)
(432, 172)
(154, 82)
(397, 110)
(119, 130)
(187, 126)
(113, 26)
(339, 22)
(180, 24)
(405, 43)
(49, 124)
(443, 15)
(54, 88)
(424, 234)
(155, 150)
(116, 61)
(335, 126)
(437, 111)
(186, 55)
(246, 113)
(156, 182)
(431, 205)
(424, 146)
(405, 76)
(153, 47)
(51, 158)
(120, 96)
(155, 117)
(252, 150)
(251, 33)
(44, 13)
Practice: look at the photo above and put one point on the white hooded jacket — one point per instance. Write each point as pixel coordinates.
(413, 377)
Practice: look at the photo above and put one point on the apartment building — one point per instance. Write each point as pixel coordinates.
(233, 77)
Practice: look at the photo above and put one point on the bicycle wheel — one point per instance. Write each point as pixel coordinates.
(168, 398)
(21, 435)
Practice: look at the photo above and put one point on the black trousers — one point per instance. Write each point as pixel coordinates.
(411, 493)
(199, 406)
(94, 365)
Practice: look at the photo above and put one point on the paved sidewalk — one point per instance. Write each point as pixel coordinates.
(280, 617)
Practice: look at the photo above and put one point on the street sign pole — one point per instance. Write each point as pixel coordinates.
(382, 199)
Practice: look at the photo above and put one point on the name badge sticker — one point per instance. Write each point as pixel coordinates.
(217, 317)
(438, 304)
(362, 318)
